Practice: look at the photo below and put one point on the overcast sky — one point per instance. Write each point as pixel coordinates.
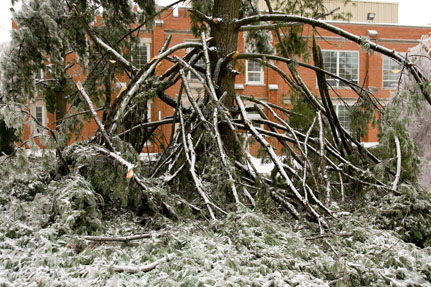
(411, 12)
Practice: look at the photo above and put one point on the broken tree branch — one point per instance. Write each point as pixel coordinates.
(137, 269)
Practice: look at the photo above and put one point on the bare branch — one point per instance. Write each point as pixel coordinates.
(144, 268)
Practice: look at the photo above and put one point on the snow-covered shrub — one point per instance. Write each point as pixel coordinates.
(25, 188)
(106, 176)
(76, 206)
(409, 214)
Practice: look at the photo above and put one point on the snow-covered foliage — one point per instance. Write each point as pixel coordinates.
(245, 249)
(408, 214)
(100, 186)
(417, 110)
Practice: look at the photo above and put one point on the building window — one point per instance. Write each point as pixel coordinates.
(254, 115)
(39, 76)
(200, 63)
(344, 64)
(39, 114)
(391, 73)
(254, 73)
(140, 54)
(343, 115)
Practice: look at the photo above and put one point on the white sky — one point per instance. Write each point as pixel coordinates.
(411, 12)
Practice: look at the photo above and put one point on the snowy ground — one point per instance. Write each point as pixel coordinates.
(245, 249)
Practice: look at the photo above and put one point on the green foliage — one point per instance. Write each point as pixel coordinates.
(25, 189)
(293, 40)
(361, 115)
(295, 43)
(409, 214)
(309, 8)
(302, 112)
(7, 138)
(48, 32)
(242, 249)
(396, 124)
(77, 206)
(258, 41)
(109, 181)
(205, 7)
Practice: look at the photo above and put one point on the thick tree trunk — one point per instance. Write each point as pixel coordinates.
(226, 41)
(225, 37)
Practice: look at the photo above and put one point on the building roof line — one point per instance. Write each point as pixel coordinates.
(377, 24)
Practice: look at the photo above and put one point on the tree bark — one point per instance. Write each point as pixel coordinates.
(225, 39)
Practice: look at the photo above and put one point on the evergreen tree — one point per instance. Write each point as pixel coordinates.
(208, 144)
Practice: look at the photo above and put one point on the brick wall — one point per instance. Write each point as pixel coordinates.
(395, 37)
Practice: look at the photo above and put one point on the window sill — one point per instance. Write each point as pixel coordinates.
(341, 88)
(195, 84)
(256, 84)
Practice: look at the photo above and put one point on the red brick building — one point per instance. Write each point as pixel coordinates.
(342, 57)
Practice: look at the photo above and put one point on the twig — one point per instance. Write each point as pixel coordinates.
(326, 235)
(118, 238)
(137, 269)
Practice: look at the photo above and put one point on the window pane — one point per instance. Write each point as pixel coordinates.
(39, 117)
(343, 64)
(199, 63)
(330, 65)
(253, 77)
(343, 116)
(253, 66)
(139, 55)
(348, 66)
(330, 61)
(39, 114)
(254, 72)
(391, 73)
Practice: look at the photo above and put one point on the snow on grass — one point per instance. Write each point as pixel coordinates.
(245, 249)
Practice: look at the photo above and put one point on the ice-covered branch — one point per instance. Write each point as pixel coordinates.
(137, 269)
(397, 176)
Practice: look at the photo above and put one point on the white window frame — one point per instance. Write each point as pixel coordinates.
(337, 82)
(144, 43)
(383, 74)
(261, 73)
(36, 128)
(40, 76)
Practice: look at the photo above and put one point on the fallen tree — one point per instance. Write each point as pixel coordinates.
(205, 165)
